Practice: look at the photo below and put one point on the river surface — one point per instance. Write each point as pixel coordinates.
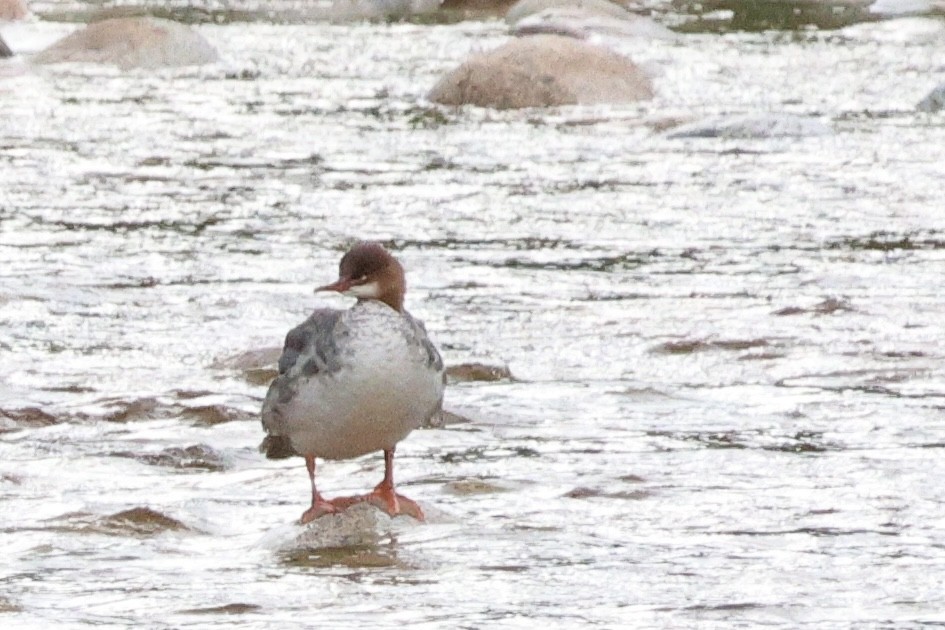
(727, 402)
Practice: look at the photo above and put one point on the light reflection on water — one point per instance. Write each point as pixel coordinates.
(727, 394)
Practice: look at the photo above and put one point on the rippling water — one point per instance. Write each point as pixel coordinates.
(727, 395)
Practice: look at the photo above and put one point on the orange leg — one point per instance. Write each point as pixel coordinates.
(383, 496)
(320, 506)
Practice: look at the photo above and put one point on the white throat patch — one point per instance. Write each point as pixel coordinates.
(370, 290)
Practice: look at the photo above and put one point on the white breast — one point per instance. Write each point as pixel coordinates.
(385, 387)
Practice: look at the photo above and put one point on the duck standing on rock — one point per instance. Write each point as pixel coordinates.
(355, 381)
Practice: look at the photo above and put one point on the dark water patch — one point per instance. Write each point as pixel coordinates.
(889, 241)
(724, 607)
(903, 354)
(227, 609)
(500, 244)
(482, 453)
(69, 389)
(828, 306)
(211, 162)
(429, 118)
(722, 16)
(799, 442)
(478, 372)
(804, 442)
(606, 185)
(818, 532)
(618, 262)
(126, 227)
(691, 346)
(875, 382)
(196, 457)
(762, 356)
(505, 568)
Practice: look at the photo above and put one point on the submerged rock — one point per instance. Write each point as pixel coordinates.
(4, 50)
(133, 42)
(469, 487)
(934, 102)
(752, 126)
(543, 71)
(13, 10)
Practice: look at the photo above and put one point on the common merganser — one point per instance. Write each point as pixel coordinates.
(356, 381)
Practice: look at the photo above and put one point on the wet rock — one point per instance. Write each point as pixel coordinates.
(140, 521)
(466, 372)
(360, 525)
(543, 71)
(27, 417)
(752, 126)
(198, 456)
(132, 42)
(130, 410)
(581, 24)
(934, 101)
(526, 8)
(13, 10)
